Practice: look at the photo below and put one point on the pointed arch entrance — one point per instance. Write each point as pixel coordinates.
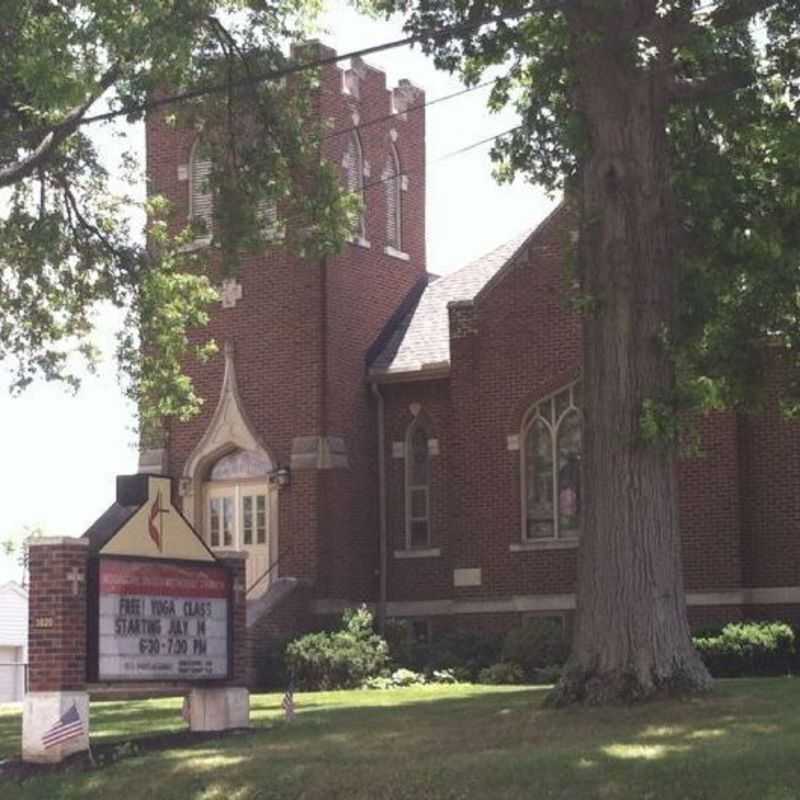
(226, 488)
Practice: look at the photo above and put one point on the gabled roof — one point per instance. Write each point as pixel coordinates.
(13, 586)
(143, 522)
(419, 344)
(106, 526)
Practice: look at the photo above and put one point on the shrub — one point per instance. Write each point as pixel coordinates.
(501, 673)
(547, 675)
(400, 677)
(464, 653)
(407, 677)
(536, 644)
(443, 676)
(402, 647)
(341, 659)
(748, 648)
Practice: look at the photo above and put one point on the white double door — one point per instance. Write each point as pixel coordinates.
(241, 516)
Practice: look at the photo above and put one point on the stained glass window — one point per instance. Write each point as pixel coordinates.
(240, 465)
(552, 467)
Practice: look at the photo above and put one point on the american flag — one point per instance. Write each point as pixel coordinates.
(68, 727)
(288, 702)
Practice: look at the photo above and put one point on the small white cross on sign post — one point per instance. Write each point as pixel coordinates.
(231, 292)
(75, 577)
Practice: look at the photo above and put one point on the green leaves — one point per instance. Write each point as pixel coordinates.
(734, 159)
(65, 241)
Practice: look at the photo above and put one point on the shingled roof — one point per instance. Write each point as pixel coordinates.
(420, 341)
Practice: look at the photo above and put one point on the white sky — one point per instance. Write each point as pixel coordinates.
(60, 453)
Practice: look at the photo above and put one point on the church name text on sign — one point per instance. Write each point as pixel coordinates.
(162, 621)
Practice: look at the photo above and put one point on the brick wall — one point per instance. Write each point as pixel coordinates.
(739, 508)
(57, 615)
(301, 331)
(240, 657)
(364, 287)
(769, 447)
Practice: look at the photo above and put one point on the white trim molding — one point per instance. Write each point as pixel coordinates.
(565, 543)
(778, 595)
(228, 430)
(395, 253)
(419, 552)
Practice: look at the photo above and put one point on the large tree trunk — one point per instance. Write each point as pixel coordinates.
(631, 638)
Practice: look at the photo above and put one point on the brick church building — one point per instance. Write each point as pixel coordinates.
(375, 433)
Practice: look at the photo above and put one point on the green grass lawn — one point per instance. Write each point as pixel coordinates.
(452, 743)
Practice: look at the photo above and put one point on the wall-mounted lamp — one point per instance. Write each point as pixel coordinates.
(281, 477)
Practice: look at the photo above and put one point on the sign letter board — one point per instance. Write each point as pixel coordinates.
(162, 621)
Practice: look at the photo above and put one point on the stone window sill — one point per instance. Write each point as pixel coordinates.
(361, 242)
(419, 552)
(545, 544)
(197, 244)
(394, 253)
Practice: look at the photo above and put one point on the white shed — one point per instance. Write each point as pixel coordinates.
(13, 642)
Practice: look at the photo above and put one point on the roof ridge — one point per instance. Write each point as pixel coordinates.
(418, 342)
(520, 237)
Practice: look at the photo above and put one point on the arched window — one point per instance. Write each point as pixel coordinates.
(551, 467)
(418, 485)
(237, 507)
(201, 200)
(353, 163)
(392, 182)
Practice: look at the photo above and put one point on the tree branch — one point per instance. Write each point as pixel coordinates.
(695, 90)
(675, 28)
(123, 257)
(738, 11)
(56, 136)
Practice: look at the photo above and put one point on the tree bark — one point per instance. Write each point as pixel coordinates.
(631, 637)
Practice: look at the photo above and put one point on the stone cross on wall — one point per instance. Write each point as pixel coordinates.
(75, 577)
(230, 292)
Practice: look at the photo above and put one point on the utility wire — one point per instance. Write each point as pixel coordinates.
(298, 218)
(409, 109)
(477, 144)
(293, 69)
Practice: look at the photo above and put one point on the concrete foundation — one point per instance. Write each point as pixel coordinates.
(219, 709)
(54, 725)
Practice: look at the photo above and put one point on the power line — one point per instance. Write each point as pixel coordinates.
(293, 69)
(292, 218)
(298, 218)
(416, 107)
(477, 144)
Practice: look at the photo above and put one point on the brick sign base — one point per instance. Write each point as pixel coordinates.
(55, 717)
(55, 720)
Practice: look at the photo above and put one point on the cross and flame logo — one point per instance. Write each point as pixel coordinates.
(155, 522)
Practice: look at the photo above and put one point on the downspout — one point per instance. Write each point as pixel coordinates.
(383, 554)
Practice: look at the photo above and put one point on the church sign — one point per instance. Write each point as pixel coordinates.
(162, 621)
(138, 598)
(159, 601)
